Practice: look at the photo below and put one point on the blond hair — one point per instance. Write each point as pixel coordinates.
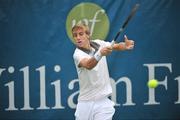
(81, 26)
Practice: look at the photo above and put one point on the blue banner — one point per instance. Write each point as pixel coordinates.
(38, 79)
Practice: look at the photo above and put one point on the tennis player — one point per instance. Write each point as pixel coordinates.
(93, 74)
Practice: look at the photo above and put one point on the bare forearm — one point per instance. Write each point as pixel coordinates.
(119, 46)
(90, 63)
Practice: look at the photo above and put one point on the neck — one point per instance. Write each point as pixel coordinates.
(87, 46)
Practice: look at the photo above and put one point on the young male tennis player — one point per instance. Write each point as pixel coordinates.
(93, 74)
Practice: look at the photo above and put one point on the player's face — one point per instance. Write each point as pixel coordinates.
(81, 38)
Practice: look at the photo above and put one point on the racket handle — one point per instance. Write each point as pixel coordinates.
(112, 43)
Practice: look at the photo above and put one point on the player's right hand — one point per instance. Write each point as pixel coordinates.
(106, 50)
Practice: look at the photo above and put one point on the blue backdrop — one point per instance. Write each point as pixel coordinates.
(38, 78)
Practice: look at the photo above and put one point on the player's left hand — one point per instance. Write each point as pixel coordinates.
(129, 44)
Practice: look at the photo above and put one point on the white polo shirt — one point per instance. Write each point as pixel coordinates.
(95, 83)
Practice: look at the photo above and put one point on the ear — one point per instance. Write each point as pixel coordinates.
(88, 35)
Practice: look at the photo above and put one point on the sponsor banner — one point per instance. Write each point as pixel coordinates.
(38, 79)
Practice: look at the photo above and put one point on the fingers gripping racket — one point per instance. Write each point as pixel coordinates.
(133, 11)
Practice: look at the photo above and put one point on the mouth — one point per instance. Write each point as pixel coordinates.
(79, 42)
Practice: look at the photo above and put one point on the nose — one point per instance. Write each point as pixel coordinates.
(78, 37)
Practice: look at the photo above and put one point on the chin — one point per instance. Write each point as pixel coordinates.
(80, 45)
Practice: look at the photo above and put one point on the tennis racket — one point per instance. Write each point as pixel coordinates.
(133, 11)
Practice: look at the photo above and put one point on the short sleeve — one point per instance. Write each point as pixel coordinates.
(78, 56)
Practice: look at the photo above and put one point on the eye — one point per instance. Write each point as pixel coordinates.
(81, 33)
(74, 34)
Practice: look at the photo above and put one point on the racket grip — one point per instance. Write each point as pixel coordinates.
(112, 43)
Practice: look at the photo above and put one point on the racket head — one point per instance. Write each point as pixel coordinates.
(132, 13)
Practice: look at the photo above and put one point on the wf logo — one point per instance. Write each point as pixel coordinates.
(91, 21)
(93, 16)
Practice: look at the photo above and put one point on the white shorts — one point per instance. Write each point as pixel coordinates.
(102, 109)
